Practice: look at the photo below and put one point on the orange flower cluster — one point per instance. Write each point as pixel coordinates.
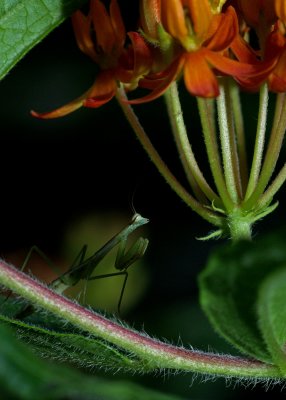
(199, 39)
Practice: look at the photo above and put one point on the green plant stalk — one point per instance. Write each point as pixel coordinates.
(228, 143)
(159, 355)
(268, 195)
(208, 125)
(240, 132)
(271, 157)
(198, 193)
(189, 162)
(205, 213)
(239, 225)
(280, 99)
(259, 141)
(211, 112)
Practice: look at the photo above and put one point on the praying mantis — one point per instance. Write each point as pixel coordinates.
(82, 268)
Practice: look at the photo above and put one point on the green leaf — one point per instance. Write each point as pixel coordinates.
(49, 337)
(229, 288)
(24, 23)
(25, 376)
(272, 316)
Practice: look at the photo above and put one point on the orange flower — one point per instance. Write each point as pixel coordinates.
(202, 36)
(277, 79)
(268, 18)
(118, 62)
(260, 14)
(276, 47)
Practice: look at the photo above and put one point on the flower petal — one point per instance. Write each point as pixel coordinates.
(280, 9)
(242, 50)
(277, 80)
(223, 30)
(137, 61)
(201, 16)
(150, 17)
(238, 69)
(276, 83)
(258, 12)
(173, 18)
(117, 24)
(103, 89)
(160, 82)
(61, 111)
(105, 36)
(198, 76)
(82, 30)
(275, 44)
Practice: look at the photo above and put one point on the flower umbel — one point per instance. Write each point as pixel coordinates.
(207, 43)
(200, 37)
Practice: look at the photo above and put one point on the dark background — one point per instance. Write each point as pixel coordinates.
(90, 161)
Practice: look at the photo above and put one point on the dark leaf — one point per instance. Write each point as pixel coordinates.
(272, 315)
(229, 288)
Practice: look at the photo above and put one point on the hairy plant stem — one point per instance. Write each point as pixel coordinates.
(268, 195)
(228, 143)
(259, 141)
(185, 151)
(204, 212)
(208, 126)
(280, 99)
(272, 154)
(159, 355)
(240, 132)
(239, 225)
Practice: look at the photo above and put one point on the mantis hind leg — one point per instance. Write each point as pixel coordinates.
(39, 252)
(29, 309)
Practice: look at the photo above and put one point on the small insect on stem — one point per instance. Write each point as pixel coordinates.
(82, 268)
